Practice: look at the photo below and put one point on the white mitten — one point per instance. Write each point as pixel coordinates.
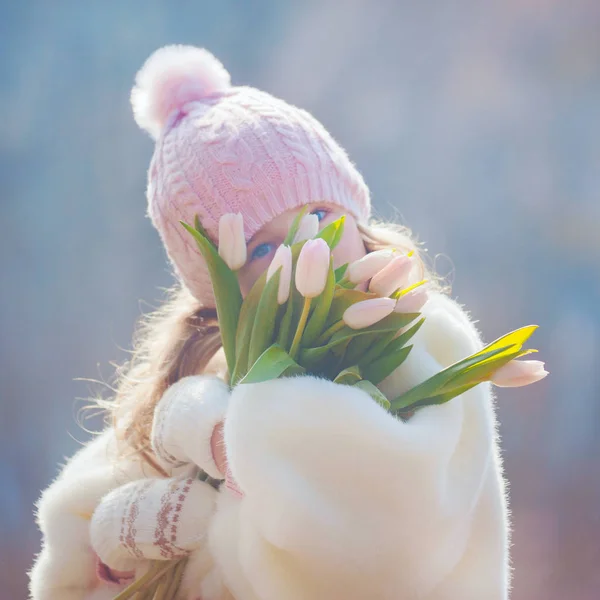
(156, 519)
(184, 421)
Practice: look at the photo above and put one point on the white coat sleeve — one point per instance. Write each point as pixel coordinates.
(342, 500)
(100, 491)
(65, 568)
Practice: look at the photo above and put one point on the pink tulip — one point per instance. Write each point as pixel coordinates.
(518, 373)
(312, 268)
(283, 260)
(308, 228)
(364, 268)
(393, 276)
(412, 302)
(232, 241)
(368, 312)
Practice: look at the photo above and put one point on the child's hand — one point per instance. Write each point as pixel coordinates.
(151, 519)
(184, 421)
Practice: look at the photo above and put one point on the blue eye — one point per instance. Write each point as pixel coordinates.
(320, 212)
(261, 250)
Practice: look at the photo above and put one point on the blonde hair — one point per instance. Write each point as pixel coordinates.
(181, 338)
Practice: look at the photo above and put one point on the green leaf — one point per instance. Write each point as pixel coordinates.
(340, 272)
(517, 337)
(348, 376)
(379, 369)
(434, 400)
(436, 385)
(285, 333)
(264, 321)
(200, 229)
(339, 350)
(358, 346)
(289, 238)
(468, 372)
(310, 357)
(482, 365)
(291, 316)
(376, 349)
(244, 328)
(405, 337)
(333, 233)
(389, 344)
(374, 392)
(447, 396)
(296, 248)
(274, 362)
(484, 370)
(321, 304)
(342, 299)
(228, 298)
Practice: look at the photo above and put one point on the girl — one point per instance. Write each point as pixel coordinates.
(327, 495)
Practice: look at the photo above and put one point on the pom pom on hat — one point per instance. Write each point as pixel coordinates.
(172, 77)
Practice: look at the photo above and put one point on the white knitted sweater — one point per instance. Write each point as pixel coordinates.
(341, 500)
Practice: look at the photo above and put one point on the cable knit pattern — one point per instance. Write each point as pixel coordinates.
(184, 420)
(236, 150)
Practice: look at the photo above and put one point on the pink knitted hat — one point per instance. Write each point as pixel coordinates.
(223, 149)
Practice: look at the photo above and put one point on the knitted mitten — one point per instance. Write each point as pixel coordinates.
(184, 421)
(156, 519)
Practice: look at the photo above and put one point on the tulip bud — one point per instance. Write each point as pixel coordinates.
(308, 228)
(232, 242)
(368, 312)
(283, 259)
(518, 373)
(393, 276)
(412, 302)
(364, 268)
(312, 268)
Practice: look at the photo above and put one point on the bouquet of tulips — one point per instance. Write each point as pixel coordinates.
(303, 316)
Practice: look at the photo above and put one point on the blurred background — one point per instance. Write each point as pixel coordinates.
(475, 123)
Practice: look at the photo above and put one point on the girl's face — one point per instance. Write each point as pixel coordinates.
(262, 246)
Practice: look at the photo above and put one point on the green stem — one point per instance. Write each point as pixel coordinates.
(300, 328)
(346, 283)
(154, 572)
(176, 579)
(329, 332)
